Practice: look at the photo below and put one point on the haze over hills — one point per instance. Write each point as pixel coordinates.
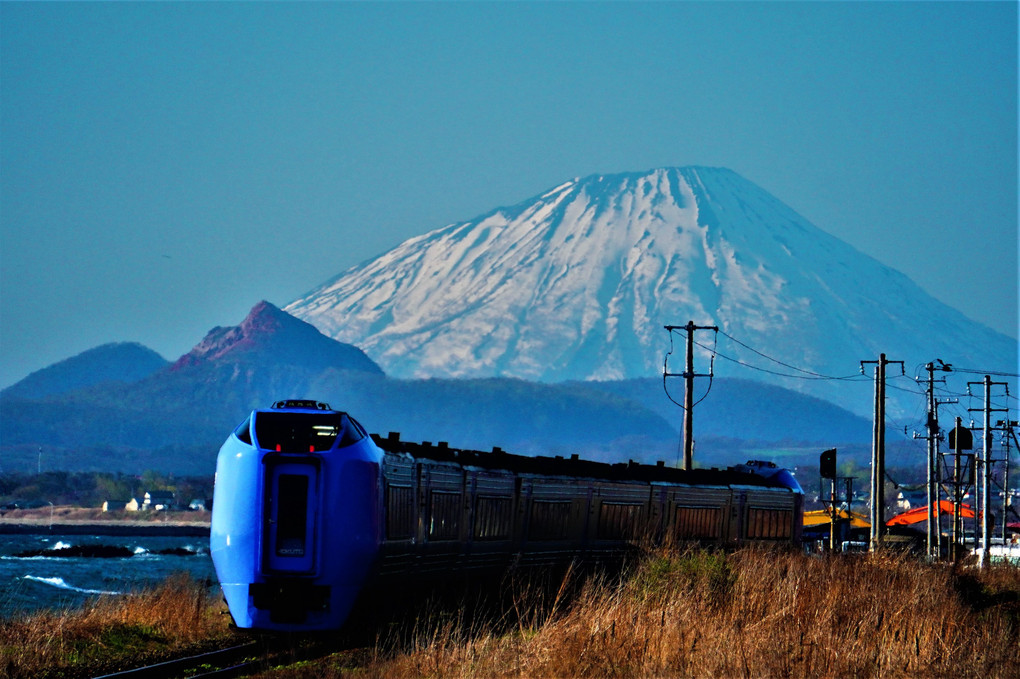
(578, 282)
(175, 418)
(115, 362)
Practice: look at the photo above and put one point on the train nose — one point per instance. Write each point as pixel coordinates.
(318, 538)
(295, 527)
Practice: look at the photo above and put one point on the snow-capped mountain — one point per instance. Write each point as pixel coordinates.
(578, 282)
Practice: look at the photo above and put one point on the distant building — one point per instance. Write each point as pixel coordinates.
(158, 500)
(121, 505)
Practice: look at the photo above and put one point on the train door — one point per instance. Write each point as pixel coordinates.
(290, 516)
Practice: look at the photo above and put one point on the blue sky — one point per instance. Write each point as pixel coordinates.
(163, 167)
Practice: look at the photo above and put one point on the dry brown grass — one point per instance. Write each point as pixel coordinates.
(748, 614)
(751, 613)
(112, 632)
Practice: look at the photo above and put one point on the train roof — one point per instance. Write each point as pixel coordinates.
(757, 474)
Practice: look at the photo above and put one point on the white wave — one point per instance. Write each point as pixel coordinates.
(61, 584)
(61, 545)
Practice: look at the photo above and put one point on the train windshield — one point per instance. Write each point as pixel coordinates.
(291, 432)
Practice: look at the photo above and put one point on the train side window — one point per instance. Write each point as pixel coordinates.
(550, 520)
(243, 431)
(769, 523)
(358, 427)
(445, 509)
(352, 432)
(698, 522)
(492, 518)
(399, 512)
(618, 520)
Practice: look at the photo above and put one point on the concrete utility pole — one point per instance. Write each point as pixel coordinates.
(878, 454)
(986, 465)
(933, 435)
(1009, 427)
(689, 375)
(878, 460)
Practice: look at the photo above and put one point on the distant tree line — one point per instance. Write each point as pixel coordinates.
(91, 489)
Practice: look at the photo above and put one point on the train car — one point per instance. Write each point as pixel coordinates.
(309, 511)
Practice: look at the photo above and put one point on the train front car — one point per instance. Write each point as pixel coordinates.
(295, 528)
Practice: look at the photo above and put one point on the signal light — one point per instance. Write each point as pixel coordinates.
(827, 464)
(961, 438)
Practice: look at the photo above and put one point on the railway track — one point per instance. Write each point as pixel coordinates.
(235, 661)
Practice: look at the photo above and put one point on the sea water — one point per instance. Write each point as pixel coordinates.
(36, 583)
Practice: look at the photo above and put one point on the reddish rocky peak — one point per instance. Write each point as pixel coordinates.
(264, 317)
(269, 335)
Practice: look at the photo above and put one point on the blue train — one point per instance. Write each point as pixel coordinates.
(309, 511)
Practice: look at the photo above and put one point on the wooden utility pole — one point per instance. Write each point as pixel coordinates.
(689, 375)
(689, 399)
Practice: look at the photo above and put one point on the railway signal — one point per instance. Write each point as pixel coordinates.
(827, 470)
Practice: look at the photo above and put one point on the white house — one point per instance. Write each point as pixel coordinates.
(158, 500)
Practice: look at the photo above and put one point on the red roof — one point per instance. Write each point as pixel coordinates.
(921, 513)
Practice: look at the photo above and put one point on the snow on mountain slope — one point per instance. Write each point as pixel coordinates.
(578, 282)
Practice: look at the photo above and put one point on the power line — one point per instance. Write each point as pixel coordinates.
(813, 374)
(976, 371)
(809, 376)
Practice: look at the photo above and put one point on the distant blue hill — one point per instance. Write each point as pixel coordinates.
(173, 418)
(124, 362)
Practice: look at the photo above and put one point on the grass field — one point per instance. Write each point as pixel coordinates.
(113, 633)
(686, 613)
(746, 614)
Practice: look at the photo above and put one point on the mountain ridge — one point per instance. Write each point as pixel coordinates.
(111, 362)
(175, 418)
(578, 282)
(267, 330)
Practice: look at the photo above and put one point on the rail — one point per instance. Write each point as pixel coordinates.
(234, 661)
